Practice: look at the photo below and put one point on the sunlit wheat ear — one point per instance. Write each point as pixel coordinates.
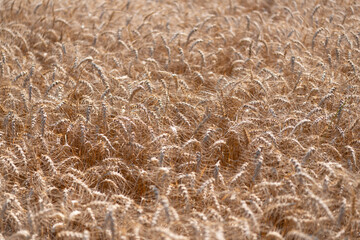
(308, 155)
(341, 212)
(213, 214)
(73, 235)
(165, 203)
(321, 204)
(135, 52)
(21, 74)
(80, 183)
(194, 30)
(109, 220)
(184, 192)
(216, 170)
(198, 161)
(84, 61)
(299, 124)
(169, 234)
(239, 174)
(353, 67)
(314, 37)
(201, 216)
(205, 185)
(43, 117)
(9, 164)
(218, 143)
(199, 76)
(352, 154)
(14, 220)
(295, 235)
(258, 165)
(183, 118)
(198, 41)
(156, 215)
(136, 90)
(101, 73)
(250, 214)
(57, 227)
(51, 166)
(274, 235)
(22, 234)
(182, 56)
(155, 63)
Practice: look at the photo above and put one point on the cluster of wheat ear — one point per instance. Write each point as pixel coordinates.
(185, 119)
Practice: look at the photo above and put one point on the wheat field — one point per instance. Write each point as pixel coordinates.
(213, 119)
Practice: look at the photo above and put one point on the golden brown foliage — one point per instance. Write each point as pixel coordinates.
(182, 119)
